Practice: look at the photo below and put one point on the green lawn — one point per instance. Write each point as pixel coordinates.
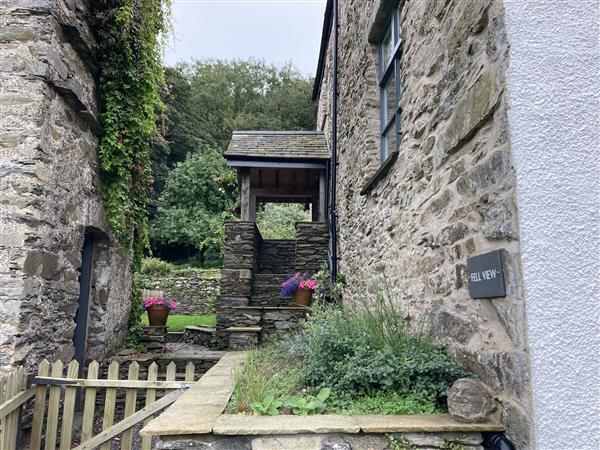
(178, 322)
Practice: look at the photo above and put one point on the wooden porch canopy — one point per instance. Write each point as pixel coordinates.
(280, 167)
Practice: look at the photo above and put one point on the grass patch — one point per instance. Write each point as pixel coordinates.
(178, 322)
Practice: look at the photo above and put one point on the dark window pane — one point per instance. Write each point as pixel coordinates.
(389, 99)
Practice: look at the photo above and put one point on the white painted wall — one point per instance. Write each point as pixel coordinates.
(553, 92)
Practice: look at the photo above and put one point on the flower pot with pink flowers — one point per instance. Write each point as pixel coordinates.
(158, 310)
(301, 288)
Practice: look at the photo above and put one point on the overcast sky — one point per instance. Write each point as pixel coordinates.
(274, 30)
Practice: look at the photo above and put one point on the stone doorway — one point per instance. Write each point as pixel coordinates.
(85, 287)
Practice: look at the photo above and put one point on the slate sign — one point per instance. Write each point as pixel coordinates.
(486, 275)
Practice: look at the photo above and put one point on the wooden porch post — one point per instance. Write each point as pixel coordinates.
(322, 187)
(252, 212)
(245, 194)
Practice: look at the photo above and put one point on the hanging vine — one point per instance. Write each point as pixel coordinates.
(128, 34)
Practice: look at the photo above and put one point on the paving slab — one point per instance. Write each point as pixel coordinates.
(197, 410)
(230, 424)
(420, 423)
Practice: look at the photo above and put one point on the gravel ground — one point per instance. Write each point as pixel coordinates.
(171, 347)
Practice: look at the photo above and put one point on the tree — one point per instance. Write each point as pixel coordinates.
(205, 101)
(277, 220)
(199, 195)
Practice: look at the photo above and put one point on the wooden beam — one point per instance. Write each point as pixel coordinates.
(130, 421)
(245, 194)
(252, 207)
(283, 192)
(131, 384)
(322, 199)
(14, 402)
(277, 164)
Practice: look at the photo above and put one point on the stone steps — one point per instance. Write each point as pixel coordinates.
(266, 290)
(270, 318)
(243, 338)
(276, 255)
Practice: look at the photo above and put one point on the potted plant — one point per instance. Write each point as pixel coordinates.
(301, 287)
(158, 310)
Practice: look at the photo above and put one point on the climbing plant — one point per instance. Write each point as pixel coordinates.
(130, 77)
(128, 36)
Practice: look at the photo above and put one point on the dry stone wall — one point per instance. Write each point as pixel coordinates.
(195, 291)
(50, 189)
(449, 195)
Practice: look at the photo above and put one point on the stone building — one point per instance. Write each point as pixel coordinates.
(65, 283)
(450, 144)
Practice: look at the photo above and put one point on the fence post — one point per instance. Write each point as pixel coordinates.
(39, 408)
(69, 407)
(11, 386)
(130, 401)
(190, 372)
(150, 398)
(109, 402)
(89, 406)
(53, 406)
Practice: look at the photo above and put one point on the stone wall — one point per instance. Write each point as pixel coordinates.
(242, 240)
(449, 195)
(193, 290)
(277, 256)
(312, 242)
(325, 441)
(50, 188)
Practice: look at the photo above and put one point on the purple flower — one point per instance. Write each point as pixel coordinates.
(291, 285)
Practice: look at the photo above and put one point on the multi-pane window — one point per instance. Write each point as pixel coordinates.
(390, 52)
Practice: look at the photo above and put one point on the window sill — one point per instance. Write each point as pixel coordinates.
(381, 173)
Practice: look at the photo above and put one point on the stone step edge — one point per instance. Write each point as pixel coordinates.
(197, 328)
(244, 329)
(271, 274)
(230, 424)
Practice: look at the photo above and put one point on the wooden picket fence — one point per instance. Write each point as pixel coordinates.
(55, 401)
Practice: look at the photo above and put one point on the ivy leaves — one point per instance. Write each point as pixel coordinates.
(130, 76)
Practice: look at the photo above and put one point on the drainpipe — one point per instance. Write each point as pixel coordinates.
(334, 147)
(497, 441)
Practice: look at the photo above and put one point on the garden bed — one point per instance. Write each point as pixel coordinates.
(351, 360)
(348, 378)
(196, 421)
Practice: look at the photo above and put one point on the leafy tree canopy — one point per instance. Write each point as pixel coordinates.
(205, 101)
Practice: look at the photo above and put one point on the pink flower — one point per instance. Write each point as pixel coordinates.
(151, 301)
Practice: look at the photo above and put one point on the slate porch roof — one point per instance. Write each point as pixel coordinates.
(277, 144)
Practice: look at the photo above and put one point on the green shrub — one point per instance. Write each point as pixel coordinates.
(360, 351)
(278, 220)
(155, 266)
(268, 407)
(308, 404)
(385, 403)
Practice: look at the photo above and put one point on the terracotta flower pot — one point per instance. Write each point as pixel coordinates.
(157, 315)
(302, 297)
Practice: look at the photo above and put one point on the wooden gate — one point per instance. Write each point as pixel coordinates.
(54, 404)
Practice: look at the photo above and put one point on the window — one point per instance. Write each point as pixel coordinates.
(389, 83)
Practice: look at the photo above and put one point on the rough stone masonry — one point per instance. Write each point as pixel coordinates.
(50, 188)
(449, 195)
